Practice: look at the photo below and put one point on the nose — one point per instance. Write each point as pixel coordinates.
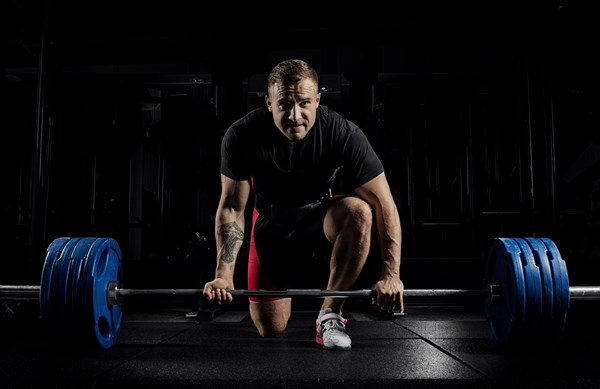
(295, 114)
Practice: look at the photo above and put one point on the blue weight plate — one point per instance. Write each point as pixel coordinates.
(102, 266)
(539, 250)
(79, 255)
(53, 253)
(57, 289)
(533, 285)
(562, 294)
(80, 310)
(58, 284)
(504, 268)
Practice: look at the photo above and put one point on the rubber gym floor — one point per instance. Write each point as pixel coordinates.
(433, 345)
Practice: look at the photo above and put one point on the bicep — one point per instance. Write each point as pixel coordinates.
(377, 193)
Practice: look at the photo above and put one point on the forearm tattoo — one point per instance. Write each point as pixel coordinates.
(230, 233)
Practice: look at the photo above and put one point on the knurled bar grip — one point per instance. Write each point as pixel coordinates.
(303, 293)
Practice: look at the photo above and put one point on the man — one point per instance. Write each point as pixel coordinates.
(288, 155)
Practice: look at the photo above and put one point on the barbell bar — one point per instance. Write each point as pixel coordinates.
(525, 289)
(115, 293)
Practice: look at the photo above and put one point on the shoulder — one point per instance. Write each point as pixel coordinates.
(255, 117)
(335, 123)
(249, 125)
(327, 116)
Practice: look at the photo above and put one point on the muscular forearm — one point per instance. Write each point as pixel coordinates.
(229, 235)
(390, 240)
(387, 221)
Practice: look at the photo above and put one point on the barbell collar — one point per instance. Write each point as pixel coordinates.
(112, 296)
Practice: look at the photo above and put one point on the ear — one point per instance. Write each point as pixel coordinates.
(318, 99)
(268, 102)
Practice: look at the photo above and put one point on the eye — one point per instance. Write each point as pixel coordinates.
(284, 105)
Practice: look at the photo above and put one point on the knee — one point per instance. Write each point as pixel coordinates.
(270, 330)
(360, 216)
(269, 321)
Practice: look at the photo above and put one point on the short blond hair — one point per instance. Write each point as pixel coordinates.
(291, 72)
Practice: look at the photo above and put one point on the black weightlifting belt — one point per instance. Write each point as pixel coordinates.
(288, 214)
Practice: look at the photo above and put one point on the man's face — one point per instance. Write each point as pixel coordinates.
(294, 107)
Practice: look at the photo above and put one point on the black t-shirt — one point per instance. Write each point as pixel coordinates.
(293, 173)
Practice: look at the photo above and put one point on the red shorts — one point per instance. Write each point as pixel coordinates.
(257, 279)
(292, 255)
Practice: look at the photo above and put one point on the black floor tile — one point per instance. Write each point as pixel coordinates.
(432, 346)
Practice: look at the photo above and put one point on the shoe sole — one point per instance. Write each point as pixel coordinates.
(337, 348)
(320, 342)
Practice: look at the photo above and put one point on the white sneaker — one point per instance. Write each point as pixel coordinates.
(331, 331)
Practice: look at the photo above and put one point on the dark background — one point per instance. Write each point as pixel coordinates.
(484, 115)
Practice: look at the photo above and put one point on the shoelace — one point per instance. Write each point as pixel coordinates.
(334, 324)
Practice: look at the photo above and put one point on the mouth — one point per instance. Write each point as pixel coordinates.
(294, 127)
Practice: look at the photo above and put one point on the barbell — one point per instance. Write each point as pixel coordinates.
(525, 289)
